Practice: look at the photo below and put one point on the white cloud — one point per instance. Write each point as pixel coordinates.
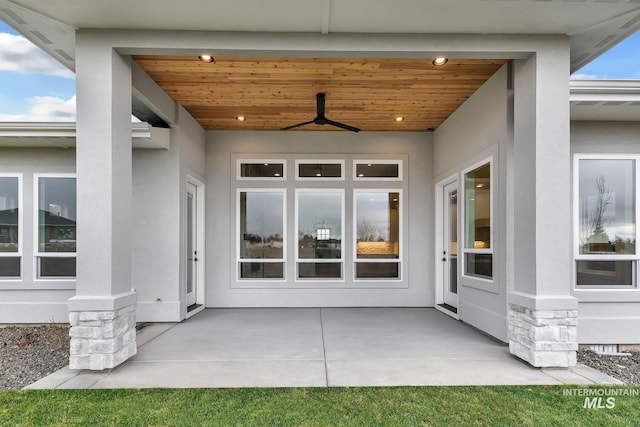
(579, 76)
(20, 55)
(45, 109)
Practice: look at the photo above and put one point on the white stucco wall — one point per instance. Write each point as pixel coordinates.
(476, 131)
(415, 290)
(607, 317)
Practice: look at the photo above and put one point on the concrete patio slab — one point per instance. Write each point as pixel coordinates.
(318, 348)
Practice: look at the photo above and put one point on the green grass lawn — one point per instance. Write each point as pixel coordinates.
(382, 406)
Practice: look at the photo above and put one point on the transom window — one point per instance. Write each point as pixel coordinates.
(319, 170)
(605, 191)
(262, 169)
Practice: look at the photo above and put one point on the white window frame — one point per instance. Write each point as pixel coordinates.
(341, 260)
(340, 162)
(356, 162)
(265, 161)
(282, 260)
(398, 260)
(635, 258)
(36, 215)
(19, 253)
(463, 202)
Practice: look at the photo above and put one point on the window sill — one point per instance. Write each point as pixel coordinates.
(607, 295)
(19, 285)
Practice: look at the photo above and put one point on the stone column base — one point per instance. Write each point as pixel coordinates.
(544, 338)
(102, 339)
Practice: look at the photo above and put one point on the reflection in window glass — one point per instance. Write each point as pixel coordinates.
(57, 267)
(377, 225)
(605, 273)
(319, 224)
(261, 234)
(10, 267)
(261, 224)
(477, 186)
(606, 206)
(261, 270)
(377, 170)
(377, 270)
(262, 170)
(319, 270)
(320, 170)
(57, 215)
(8, 217)
(377, 222)
(479, 265)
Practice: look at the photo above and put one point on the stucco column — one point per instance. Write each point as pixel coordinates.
(542, 313)
(102, 314)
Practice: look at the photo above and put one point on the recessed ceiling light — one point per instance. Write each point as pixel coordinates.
(241, 118)
(360, 174)
(399, 119)
(318, 174)
(206, 58)
(479, 185)
(441, 60)
(276, 174)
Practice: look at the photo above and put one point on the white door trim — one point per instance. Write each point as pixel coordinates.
(439, 241)
(199, 243)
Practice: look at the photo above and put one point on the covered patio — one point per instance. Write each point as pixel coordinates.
(318, 347)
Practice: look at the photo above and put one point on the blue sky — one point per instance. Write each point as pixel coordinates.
(35, 87)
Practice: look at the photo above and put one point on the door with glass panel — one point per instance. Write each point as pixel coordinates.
(450, 246)
(192, 244)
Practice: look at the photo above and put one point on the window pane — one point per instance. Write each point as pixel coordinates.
(477, 189)
(57, 215)
(8, 215)
(325, 270)
(378, 224)
(377, 270)
(320, 170)
(377, 170)
(319, 224)
(262, 270)
(605, 273)
(607, 207)
(57, 267)
(261, 170)
(9, 266)
(479, 265)
(261, 224)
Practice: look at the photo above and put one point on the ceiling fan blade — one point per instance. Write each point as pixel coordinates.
(342, 125)
(298, 125)
(320, 98)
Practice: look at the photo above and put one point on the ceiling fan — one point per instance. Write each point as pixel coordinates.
(321, 119)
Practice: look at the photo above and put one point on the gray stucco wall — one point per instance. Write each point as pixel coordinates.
(607, 317)
(415, 290)
(158, 177)
(29, 300)
(476, 131)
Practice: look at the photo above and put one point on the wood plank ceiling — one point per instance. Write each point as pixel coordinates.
(276, 92)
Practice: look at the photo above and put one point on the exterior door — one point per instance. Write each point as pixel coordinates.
(450, 245)
(192, 244)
